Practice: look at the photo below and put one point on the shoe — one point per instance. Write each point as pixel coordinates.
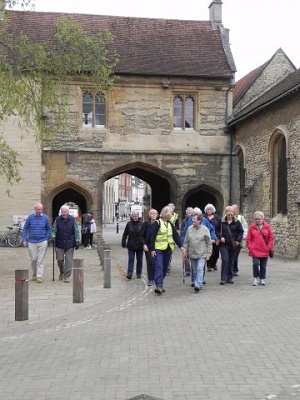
(33, 278)
(39, 279)
(67, 280)
(254, 282)
(204, 282)
(192, 285)
(163, 290)
(262, 282)
(90, 247)
(128, 277)
(187, 274)
(158, 290)
(197, 289)
(222, 283)
(61, 276)
(209, 269)
(215, 268)
(149, 283)
(235, 274)
(138, 276)
(230, 281)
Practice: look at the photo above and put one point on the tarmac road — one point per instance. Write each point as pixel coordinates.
(236, 342)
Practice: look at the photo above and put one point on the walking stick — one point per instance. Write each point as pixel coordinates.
(183, 270)
(53, 246)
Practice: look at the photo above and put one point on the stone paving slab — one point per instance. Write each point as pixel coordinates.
(235, 342)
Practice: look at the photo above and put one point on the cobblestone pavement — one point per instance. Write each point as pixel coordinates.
(232, 342)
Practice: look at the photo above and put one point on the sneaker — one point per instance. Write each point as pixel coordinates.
(222, 283)
(262, 282)
(128, 277)
(215, 267)
(33, 278)
(158, 290)
(230, 281)
(163, 290)
(192, 285)
(61, 276)
(149, 283)
(235, 274)
(197, 289)
(67, 280)
(209, 269)
(138, 276)
(39, 279)
(254, 283)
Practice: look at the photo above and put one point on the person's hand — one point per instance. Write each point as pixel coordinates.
(24, 244)
(77, 245)
(145, 247)
(153, 253)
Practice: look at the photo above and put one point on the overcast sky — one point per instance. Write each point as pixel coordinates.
(257, 27)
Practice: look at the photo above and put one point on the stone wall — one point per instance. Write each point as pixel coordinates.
(254, 136)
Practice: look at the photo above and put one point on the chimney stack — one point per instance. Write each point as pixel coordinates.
(215, 12)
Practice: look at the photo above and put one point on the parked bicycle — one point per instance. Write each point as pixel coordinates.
(12, 237)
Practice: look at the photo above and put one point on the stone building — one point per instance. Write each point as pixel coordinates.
(162, 122)
(265, 128)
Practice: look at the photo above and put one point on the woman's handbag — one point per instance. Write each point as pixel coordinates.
(233, 242)
(271, 252)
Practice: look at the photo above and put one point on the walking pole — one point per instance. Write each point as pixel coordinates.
(53, 245)
(183, 270)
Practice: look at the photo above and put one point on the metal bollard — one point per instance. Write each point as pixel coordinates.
(107, 269)
(78, 281)
(21, 294)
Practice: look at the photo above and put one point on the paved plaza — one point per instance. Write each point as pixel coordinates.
(232, 342)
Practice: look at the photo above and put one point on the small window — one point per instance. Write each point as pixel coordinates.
(183, 112)
(93, 110)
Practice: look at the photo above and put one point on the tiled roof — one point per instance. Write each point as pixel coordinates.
(285, 88)
(145, 46)
(244, 83)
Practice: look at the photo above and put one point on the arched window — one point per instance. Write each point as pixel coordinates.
(93, 109)
(279, 169)
(183, 112)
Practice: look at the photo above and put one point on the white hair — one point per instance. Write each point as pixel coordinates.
(197, 210)
(210, 207)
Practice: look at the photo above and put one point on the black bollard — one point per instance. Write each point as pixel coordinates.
(21, 294)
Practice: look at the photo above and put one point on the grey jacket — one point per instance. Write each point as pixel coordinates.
(197, 242)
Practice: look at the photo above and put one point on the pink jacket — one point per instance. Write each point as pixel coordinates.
(259, 247)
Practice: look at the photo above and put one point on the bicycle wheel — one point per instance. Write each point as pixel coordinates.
(14, 239)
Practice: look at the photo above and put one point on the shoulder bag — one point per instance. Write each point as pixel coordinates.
(233, 242)
(271, 252)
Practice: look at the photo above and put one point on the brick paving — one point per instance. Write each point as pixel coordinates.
(235, 342)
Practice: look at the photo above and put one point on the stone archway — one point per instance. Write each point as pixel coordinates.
(202, 195)
(163, 185)
(68, 192)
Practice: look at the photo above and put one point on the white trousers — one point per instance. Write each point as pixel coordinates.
(37, 252)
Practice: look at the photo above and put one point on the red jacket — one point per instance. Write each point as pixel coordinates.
(257, 245)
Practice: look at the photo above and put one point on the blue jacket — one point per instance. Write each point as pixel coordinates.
(36, 229)
(204, 222)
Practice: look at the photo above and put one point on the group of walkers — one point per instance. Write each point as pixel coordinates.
(202, 239)
(64, 234)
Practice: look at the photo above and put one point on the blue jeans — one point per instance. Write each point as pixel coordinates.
(139, 262)
(197, 265)
(161, 262)
(259, 267)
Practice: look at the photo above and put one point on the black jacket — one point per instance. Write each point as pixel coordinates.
(132, 235)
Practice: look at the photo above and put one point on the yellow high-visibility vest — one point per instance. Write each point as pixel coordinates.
(174, 218)
(164, 237)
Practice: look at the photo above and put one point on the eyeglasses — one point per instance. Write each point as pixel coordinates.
(229, 215)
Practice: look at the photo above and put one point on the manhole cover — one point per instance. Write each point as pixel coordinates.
(144, 397)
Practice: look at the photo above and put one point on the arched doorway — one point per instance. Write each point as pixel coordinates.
(68, 193)
(202, 195)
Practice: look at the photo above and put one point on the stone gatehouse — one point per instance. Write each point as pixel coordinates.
(163, 120)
